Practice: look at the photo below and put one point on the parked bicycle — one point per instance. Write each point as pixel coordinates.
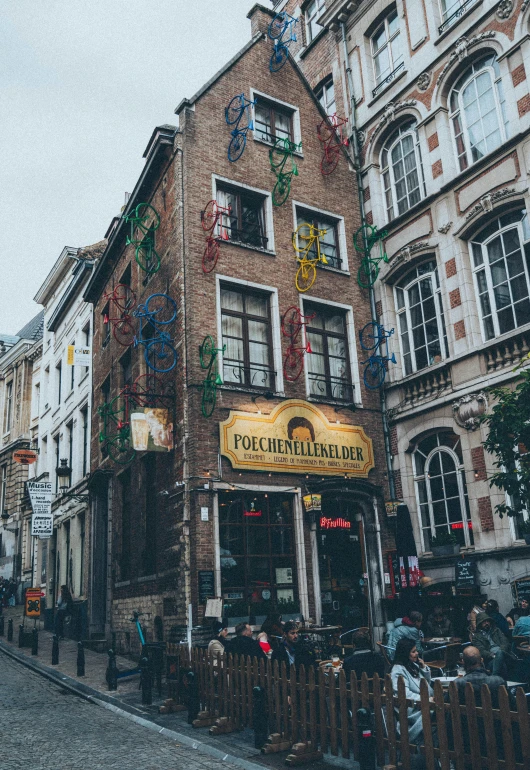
(330, 134)
(236, 112)
(159, 310)
(364, 240)
(292, 324)
(284, 166)
(208, 358)
(144, 221)
(210, 217)
(306, 241)
(278, 29)
(121, 301)
(372, 336)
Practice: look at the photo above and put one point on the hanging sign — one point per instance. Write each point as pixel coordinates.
(42, 525)
(338, 523)
(312, 502)
(40, 494)
(151, 430)
(391, 507)
(295, 437)
(78, 356)
(25, 456)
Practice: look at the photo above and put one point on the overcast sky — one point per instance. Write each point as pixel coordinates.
(82, 85)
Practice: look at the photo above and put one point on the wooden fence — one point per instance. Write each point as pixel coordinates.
(321, 707)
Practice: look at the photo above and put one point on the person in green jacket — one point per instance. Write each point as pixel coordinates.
(493, 645)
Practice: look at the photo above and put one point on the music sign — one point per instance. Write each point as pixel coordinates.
(40, 494)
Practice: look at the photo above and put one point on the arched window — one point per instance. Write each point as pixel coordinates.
(402, 170)
(419, 309)
(441, 491)
(477, 111)
(501, 257)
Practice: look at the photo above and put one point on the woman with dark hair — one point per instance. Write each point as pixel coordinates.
(409, 665)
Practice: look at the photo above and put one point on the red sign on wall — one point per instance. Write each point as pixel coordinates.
(326, 523)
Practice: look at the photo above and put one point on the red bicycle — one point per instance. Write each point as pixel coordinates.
(330, 134)
(292, 323)
(123, 299)
(209, 219)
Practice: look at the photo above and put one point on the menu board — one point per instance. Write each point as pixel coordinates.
(206, 585)
(522, 590)
(465, 573)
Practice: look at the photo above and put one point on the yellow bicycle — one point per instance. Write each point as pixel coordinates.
(306, 241)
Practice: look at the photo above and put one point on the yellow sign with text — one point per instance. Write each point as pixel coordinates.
(295, 437)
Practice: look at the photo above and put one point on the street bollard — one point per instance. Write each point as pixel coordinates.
(1, 625)
(10, 630)
(260, 720)
(55, 650)
(366, 756)
(146, 682)
(111, 674)
(21, 635)
(80, 659)
(193, 697)
(35, 642)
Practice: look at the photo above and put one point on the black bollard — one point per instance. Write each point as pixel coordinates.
(193, 697)
(366, 756)
(111, 674)
(10, 630)
(21, 635)
(1, 625)
(146, 682)
(55, 650)
(80, 659)
(260, 719)
(35, 642)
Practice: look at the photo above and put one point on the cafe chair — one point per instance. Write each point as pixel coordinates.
(386, 652)
(449, 661)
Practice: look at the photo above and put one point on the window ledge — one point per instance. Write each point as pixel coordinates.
(248, 389)
(330, 269)
(455, 24)
(69, 396)
(309, 47)
(241, 245)
(296, 153)
(56, 412)
(335, 402)
(83, 378)
(388, 87)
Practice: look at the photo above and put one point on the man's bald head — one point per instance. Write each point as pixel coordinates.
(472, 658)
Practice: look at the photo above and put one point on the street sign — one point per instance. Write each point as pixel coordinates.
(25, 456)
(42, 525)
(78, 356)
(33, 602)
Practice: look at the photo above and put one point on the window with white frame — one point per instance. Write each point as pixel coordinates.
(3, 487)
(452, 10)
(441, 490)
(421, 322)
(272, 121)
(477, 111)
(402, 170)
(329, 238)
(327, 360)
(313, 10)
(387, 53)
(246, 222)
(326, 96)
(8, 407)
(501, 257)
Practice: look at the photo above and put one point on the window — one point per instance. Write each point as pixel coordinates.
(59, 380)
(3, 487)
(329, 242)
(272, 121)
(246, 222)
(105, 325)
(56, 448)
(105, 399)
(84, 425)
(501, 256)
(246, 327)
(72, 371)
(42, 461)
(36, 408)
(421, 320)
(452, 10)
(402, 170)
(70, 444)
(326, 96)
(328, 366)
(477, 111)
(8, 408)
(386, 52)
(441, 488)
(256, 541)
(313, 11)
(86, 340)
(47, 394)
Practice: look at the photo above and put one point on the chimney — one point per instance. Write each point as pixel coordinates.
(260, 18)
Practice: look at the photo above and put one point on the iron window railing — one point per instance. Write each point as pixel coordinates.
(389, 78)
(460, 11)
(334, 388)
(253, 376)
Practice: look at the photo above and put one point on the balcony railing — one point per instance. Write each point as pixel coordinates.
(251, 235)
(253, 376)
(332, 388)
(389, 78)
(507, 352)
(456, 15)
(426, 386)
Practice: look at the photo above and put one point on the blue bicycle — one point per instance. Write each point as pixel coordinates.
(372, 337)
(279, 26)
(234, 113)
(159, 310)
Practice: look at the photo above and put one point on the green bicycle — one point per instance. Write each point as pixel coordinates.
(283, 165)
(144, 221)
(208, 358)
(364, 240)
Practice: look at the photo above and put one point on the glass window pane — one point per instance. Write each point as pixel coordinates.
(257, 331)
(477, 254)
(439, 513)
(335, 323)
(231, 300)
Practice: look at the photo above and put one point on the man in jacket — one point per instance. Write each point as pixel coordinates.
(244, 644)
(408, 627)
(493, 645)
(438, 624)
(290, 650)
(477, 675)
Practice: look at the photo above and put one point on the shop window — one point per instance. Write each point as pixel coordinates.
(272, 121)
(328, 364)
(402, 170)
(246, 328)
(314, 9)
(329, 241)
(419, 309)
(386, 52)
(257, 551)
(246, 222)
(326, 96)
(501, 255)
(441, 490)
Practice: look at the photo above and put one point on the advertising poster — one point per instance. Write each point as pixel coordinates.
(151, 429)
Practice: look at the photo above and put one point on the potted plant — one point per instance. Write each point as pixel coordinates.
(444, 544)
(524, 530)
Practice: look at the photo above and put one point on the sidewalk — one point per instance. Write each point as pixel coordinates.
(236, 747)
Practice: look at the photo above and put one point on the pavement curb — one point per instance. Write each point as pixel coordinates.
(123, 709)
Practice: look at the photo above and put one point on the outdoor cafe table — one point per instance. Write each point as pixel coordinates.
(440, 641)
(445, 681)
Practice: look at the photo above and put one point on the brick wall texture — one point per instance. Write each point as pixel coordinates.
(485, 514)
(479, 463)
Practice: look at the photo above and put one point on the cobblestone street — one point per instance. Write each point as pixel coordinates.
(48, 728)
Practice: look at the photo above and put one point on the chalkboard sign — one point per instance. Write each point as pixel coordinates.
(522, 590)
(465, 573)
(206, 585)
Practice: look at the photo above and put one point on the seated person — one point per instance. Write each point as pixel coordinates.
(219, 642)
(362, 659)
(522, 610)
(438, 624)
(493, 645)
(406, 628)
(244, 644)
(477, 675)
(492, 609)
(291, 650)
(522, 626)
(409, 666)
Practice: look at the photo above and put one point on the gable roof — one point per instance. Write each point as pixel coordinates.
(33, 329)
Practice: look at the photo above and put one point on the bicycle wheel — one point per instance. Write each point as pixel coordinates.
(235, 109)
(116, 411)
(123, 332)
(363, 240)
(369, 336)
(329, 161)
(124, 297)
(211, 255)
(367, 273)
(277, 26)
(145, 217)
(374, 374)
(237, 146)
(120, 449)
(160, 356)
(147, 257)
(278, 58)
(293, 364)
(162, 308)
(146, 389)
(281, 190)
(209, 216)
(209, 396)
(207, 352)
(301, 237)
(325, 131)
(305, 276)
(291, 322)
(278, 154)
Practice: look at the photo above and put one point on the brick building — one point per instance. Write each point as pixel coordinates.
(220, 515)
(437, 99)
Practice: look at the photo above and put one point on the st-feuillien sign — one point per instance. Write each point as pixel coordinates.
(295, 437)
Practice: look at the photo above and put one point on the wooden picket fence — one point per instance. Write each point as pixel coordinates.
(320, 708)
